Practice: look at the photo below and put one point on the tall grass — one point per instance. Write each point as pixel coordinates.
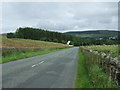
(98, 77)
(90, 73)
(12, 50)
(21, 55)
(82, 80)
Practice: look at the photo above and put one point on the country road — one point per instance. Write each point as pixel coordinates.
(53, 70)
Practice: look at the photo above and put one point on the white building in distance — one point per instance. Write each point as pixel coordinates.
(68, 43)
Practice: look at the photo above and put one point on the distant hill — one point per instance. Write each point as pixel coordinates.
(95, 33)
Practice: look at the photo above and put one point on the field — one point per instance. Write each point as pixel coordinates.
(113, 49)
(29, 43)
(94, 34)
(14, 49)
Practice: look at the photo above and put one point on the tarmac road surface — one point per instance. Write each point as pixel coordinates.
(53, 70)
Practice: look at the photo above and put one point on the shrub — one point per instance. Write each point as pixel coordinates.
(10, 35)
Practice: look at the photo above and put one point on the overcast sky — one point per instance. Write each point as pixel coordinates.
(60, 16)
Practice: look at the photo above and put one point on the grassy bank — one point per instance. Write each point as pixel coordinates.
(6, 42)
(90, 74)
(21, 55)
(82, 80)
(15, 48)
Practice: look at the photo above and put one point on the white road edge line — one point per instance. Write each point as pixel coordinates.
(37, 64)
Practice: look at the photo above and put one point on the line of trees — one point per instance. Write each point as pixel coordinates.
(44, 35)
(98, 42)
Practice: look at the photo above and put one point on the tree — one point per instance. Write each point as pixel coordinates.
(10, 35)
(44, 35)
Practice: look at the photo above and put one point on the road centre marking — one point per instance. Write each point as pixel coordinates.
(37, 64)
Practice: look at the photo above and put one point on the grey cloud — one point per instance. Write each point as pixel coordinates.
(60, 16)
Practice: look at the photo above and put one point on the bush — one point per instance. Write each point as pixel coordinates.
(10, 35)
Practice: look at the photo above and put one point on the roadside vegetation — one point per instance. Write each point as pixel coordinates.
(82, 80)
(21, 55)
(14, 49)
(90, 73)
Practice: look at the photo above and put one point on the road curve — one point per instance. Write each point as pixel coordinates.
(53, 70)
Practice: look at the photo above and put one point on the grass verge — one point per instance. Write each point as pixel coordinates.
(21, 55)
(90, 74)
(100, 79)
(82, 80)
